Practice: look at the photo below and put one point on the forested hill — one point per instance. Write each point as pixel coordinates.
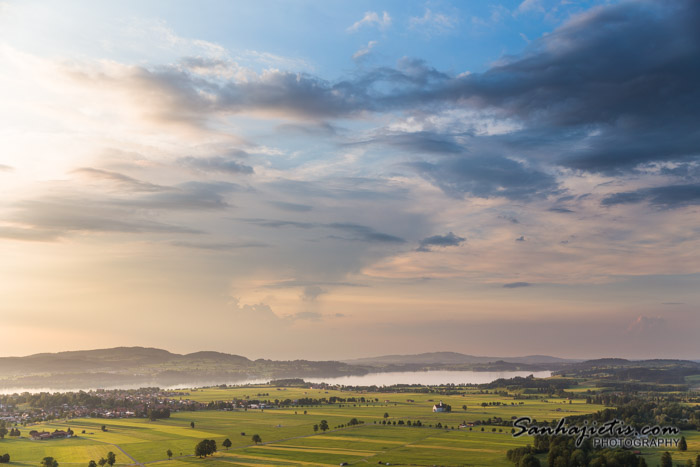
(149, 366)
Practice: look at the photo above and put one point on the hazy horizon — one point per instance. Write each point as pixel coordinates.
(322, 180)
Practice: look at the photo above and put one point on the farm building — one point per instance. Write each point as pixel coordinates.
(440, 407)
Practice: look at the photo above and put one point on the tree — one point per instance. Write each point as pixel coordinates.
(192, 424)
(257, 439)
(111, 458)
(102, 462)
(641, 462)
(3, 429)
(200, 449)
(5, 459)
(528, 460)
(49, 462)
(697, 461)
(386, 415)
(315, 428)
(104, 428)
(666, 459)
(211, 446)
(682, 445)
(169, 453)
(464, 407)
(323, 425)
(92, 464)
(227, 443)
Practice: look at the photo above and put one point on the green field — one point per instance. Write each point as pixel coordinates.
(289, 439)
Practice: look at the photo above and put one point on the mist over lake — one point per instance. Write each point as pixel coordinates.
(426, 378)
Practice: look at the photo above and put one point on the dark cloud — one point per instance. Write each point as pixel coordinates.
(520, 238)
(72, 214)
(450, 239)
(294, 207)
(672, 196)
(487, 177)
(216, 164)
(281, 223)
(312, 292)
(224, 246)
(120, 180)
(511, 219)
(419, 142)
(560, 209)
(310, 129)
(29, 234)
(612, 89)
(351, 231)
(516, 285)
(186, 196)
(364, 233)
(617, 83)
(342, 188)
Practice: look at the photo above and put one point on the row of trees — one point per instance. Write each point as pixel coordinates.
(5, 459)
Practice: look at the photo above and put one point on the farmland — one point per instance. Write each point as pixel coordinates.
(288, 436)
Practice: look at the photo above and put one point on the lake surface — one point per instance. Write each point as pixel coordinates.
(426, 378)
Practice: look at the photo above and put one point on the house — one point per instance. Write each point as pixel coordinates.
(440, 407)
(42, 435)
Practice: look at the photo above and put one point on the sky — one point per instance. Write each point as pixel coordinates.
(334, 179)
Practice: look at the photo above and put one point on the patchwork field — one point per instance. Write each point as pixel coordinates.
(288, 437)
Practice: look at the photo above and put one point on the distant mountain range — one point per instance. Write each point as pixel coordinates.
(143, 366)
(433, 358)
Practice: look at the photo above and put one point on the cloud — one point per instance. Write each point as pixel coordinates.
(560, 210)
(73, 214)
(216, 164)
(632, 103)
(193, 195)
(432, 23)
(520, 238)
(450, 239)
(312, 292)
(6, 168)
(516, 285)
(224, 246)
(122, 181)
(372, 18)
(29, 234)
(665, 197)
(294, 207)
(530, 5)
(364, 233)
(364, 50)
(349, 230)
(307, 316)
(487, 177)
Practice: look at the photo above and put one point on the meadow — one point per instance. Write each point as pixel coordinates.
(288, 437)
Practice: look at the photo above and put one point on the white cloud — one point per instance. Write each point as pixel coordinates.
(372, 18)
(530, 5)
(364, 50)
(432, 22)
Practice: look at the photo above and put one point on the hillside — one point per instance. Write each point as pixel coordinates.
(142, 366)
(445, 358)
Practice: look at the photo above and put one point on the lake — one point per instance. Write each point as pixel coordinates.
(426, 378)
